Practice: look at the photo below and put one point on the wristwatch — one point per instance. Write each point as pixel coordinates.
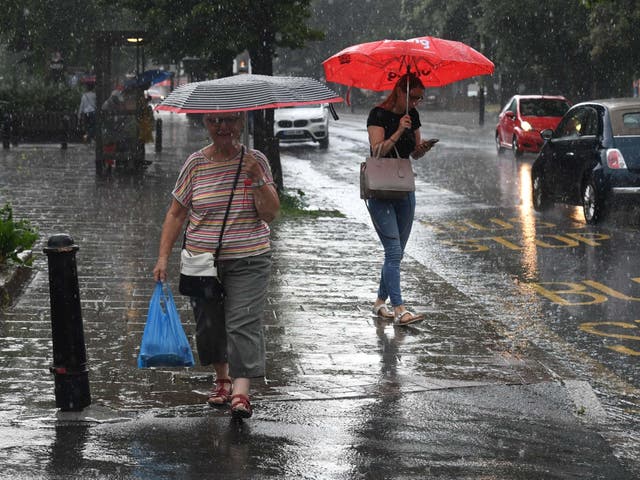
(259, 183)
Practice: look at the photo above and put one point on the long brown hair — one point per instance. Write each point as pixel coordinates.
(401, 86)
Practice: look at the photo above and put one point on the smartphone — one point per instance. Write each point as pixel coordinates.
(431, 142)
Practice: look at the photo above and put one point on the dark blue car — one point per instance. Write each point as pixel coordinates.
(592, 158)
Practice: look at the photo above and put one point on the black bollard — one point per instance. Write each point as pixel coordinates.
(159, 135)
(69, 353)
(481, 106)
(5, 130)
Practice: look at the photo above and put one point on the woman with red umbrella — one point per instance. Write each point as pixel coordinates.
(394, 131)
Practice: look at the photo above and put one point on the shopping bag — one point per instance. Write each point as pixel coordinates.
(164, 343)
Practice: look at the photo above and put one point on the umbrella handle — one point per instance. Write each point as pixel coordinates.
(333, 112)
(408, 72)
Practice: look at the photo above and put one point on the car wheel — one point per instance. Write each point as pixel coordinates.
(515, 146)
(541, 200)
(592, 203)
(499, 147)
(324, 142)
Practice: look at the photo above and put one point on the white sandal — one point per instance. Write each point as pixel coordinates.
(382, 311)
(414, 318)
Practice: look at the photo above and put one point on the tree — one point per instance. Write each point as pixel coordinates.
(531, 51)
(278, 23)
(37, 29)
(615, 45)
(218, 31)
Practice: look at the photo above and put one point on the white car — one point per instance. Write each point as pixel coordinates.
(302, 124)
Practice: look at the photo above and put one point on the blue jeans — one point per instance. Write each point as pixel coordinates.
(392, 220)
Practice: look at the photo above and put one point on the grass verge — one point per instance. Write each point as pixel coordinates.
(294, 204)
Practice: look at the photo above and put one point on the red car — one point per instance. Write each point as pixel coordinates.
(524, 117)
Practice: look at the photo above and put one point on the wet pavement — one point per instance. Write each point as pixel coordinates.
(346, 395)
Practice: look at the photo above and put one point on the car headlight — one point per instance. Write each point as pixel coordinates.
(526, 126)
(316, 120)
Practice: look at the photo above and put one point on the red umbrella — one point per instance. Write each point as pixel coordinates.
(378, 65)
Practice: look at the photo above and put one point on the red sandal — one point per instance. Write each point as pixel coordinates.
(240, 406)
(221, 394)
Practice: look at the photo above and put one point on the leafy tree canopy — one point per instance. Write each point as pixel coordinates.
(217, 31)
(37, 29)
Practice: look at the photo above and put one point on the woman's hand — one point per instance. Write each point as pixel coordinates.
(265, 195)
(405, 124)
(421, 149)
(160, 270)
(251, 167)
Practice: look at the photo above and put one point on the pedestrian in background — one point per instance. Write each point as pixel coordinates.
(233, 343)
(394, 131)
(87, 113)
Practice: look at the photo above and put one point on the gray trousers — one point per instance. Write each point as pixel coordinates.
(234, 334)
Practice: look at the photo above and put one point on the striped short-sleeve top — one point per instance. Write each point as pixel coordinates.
(204, 187)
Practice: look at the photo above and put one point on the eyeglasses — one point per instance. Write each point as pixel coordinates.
(221, 120)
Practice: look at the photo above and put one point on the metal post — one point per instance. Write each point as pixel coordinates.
(66, 134)
(5, 132)
(481, 106)
(158, 135)
(69, 353)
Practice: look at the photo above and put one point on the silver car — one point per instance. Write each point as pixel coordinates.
(302, 124)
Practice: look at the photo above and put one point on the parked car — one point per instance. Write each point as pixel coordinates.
(524, 117)
(591, 159)
(302, 124)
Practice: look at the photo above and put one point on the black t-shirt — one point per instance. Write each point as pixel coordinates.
(388, 120)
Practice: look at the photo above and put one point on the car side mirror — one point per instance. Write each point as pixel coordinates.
(510, 115)
(546, 134)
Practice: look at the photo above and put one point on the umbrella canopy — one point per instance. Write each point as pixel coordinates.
(154, 76)
(378, 65)
(247, 92)
(148, 78)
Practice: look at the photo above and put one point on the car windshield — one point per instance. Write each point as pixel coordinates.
(543, 107)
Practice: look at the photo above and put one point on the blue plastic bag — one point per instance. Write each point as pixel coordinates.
(164, 343)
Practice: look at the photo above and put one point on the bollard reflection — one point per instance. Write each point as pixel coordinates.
(67, 459)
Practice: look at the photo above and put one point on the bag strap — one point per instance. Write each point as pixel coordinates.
(226, 213)
(376, 154)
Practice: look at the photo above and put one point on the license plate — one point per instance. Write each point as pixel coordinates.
(293, 132)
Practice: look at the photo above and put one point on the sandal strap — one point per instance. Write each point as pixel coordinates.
(240, 399)
(240, 406)
(221, 391)
(414, 318)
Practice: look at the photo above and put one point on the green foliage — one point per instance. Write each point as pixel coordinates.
(614, 39)
(15, 236)
(36, 96)
(218, 31)
(295, 205)
(35, 29)
(343, 24)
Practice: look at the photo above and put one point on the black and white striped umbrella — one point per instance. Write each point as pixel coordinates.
(241, 93)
